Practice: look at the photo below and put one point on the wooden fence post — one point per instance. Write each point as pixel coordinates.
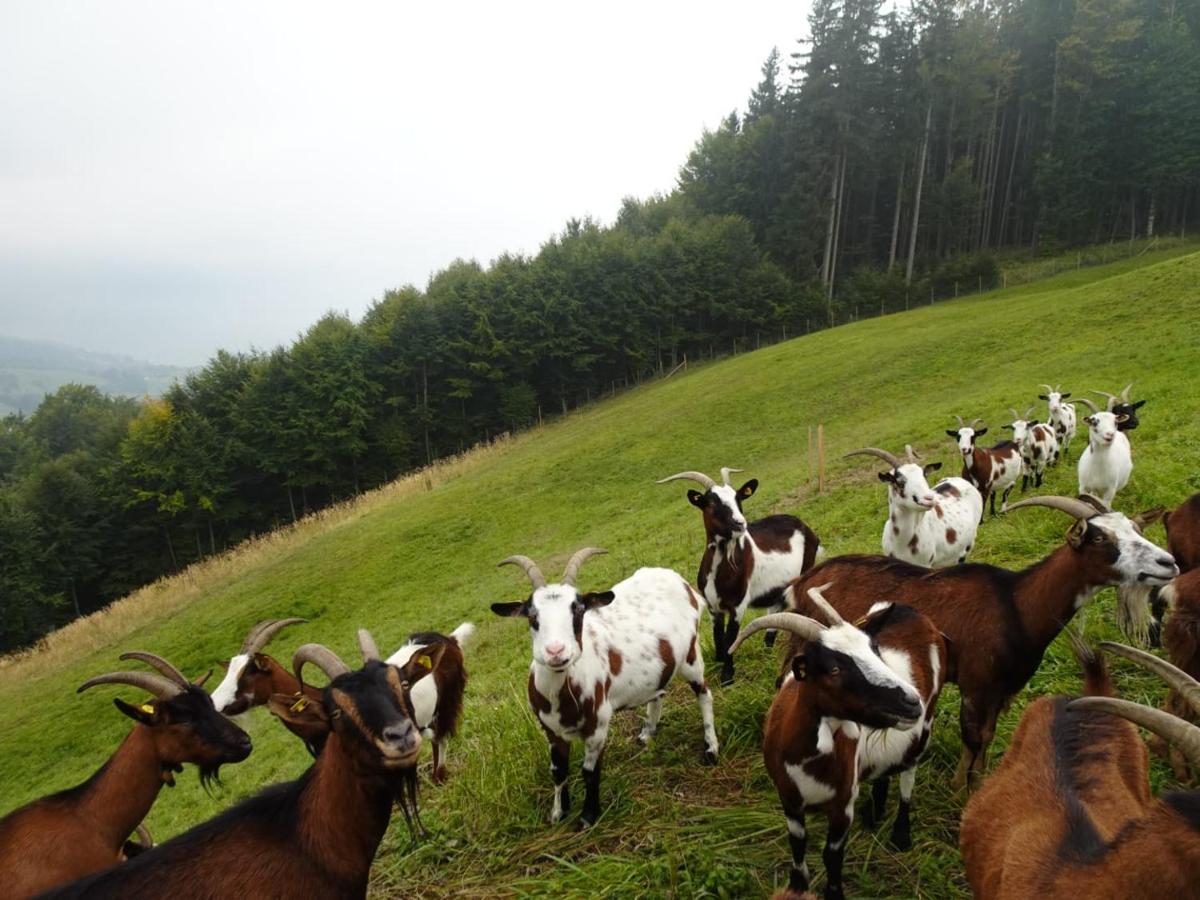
(821, 459)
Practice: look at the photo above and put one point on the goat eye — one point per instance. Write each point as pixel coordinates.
(337, 714)
(836, 670)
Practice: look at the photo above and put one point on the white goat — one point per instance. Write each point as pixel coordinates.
(1107, 462)
(1061, 417)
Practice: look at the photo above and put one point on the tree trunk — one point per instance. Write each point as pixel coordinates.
(896, 220)
(291, 502)
(916, 218)
(837, 229)
(170, 547)
(1150, 217)
(212, 539)
(833, 185)
(1012, 167)
(75, 600)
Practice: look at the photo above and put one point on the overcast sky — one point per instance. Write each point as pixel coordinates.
(180, 177)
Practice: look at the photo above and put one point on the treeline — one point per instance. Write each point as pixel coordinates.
(99, 495)
(898, 141)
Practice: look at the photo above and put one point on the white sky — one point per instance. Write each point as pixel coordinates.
(178, 177)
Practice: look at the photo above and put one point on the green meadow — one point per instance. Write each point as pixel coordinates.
(422, 555)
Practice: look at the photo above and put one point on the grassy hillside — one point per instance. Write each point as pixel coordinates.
(410, 558)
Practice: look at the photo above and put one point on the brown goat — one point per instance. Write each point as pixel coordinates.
(998, 622)
(1068, 813)
(84, 829)
(1183, 533)
(1181, 640)
(314, 837)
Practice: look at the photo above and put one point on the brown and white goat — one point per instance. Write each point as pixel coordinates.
(1038, 445)
(314, 837)
(856, 705)
(998, 622)
(1061, 417)
(744, 563)
(597, 653)
(992, 470)
(1069, 813)
(84, 829)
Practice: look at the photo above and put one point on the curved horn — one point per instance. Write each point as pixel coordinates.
(1016, 416)
(1069, 505)
(1184, 684)
(1049, 390)
(725, 470)
(1125, 392)
(571, 572)
(809, 629)
(321, 657)
(698, 477)
(1177, 732)
(911, 454)
(817, 596)
(144, 836)
(366, 644)
(1089, 404)
(1029, 412)
(153, 659)
(160, 687)
(960, 421)
(261, 633)
(535, 574)
(975, 422)
(1112, 398)
(875, 451)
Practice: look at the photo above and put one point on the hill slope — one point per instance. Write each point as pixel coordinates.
(412, 559)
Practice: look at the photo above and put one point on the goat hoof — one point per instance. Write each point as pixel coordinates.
(726, 677)
(585, 822)
(834, 893)
(709, 758)
(439, 776)
(901, 841)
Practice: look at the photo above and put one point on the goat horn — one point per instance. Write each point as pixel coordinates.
(1125, 392)
(875, 451)
(1016, 415)
(725, 470)
(1069, 505)
(321, 657)
(1184, 684)
(144, 835)
(960, 421)
(817, 596)
(809, 629)
(530, 567)
(1176, 731)
(160, 687)
(1112, 398)
(153, 659)
(571, 572)
(1049, 390)
(698, 477)
(1089, 404)
(911, 454)
(366, 643)
(262, 633)
(975, 422)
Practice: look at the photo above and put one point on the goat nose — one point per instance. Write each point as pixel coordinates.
(555, 649)
(1167, 562)
(398, 734)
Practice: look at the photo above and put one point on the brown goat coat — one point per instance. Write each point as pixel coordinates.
(1183, 533)
(1181, 640)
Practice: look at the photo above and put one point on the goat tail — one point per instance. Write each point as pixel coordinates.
(1133, 613)
(462, 634)
(1096, 680)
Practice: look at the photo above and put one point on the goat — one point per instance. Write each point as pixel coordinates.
(437, 697)
(1183, 541)
(1061, 417)
(1069, 813)
(992, 470)
(1181, 640)
(998, 622)
(1122, 405)
(1038, 445)
(744, 564)
(597, 653)
(910, 532)
(314, 837)
(847, 712)
(84, 829)
(1107, 462)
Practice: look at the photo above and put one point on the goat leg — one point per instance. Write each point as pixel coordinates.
(835, 853)
(560, 768)
(798, 841)
(901, 837)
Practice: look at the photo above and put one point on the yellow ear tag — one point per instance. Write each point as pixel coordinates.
(300, 705)
(425, 661)
(147, 709)
(861, 622)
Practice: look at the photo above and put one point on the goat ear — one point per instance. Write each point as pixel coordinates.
(869, 623)
(1091, 420)
(1076, 534)
(1044, 397)
(800, 667)
(696, 499)
(887, 476)
(199, 680)
(299, 711)
(748, 489)
(931, 467)
(514, 609)
(142, 713)
(1122, 418)
(1137, 405)
(596, 600)
(1031, 422)
(1066, 395)
(981, 432)
(1149, 517)
(423, 662)
(950, 432)
(1007, 427)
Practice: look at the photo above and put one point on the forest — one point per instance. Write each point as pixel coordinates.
(887, 160)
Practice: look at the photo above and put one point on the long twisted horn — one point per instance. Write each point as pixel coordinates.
(530, 567)
(1049, 390)
(817, 596)
(1069, 505)
(1029, 412)
(1184, 684)
(151, 682)
(321, 657)
(960, 421)
(1112, 398)
(261, 634)
(809, 629)
(153, 659)
(1089, 404)
(1016, 416)
(875, 451)
(367, 645)
(725, 470)
(698, 477)
(975, 422)
(1125, 391)
(571, 572)
(1177, 732)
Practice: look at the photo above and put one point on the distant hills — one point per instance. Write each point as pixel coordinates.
(31, 369)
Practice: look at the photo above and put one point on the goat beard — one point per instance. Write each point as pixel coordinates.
(403, 786)
(1133, 613)
(210, 775)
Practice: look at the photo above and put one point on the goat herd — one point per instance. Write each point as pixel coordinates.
(871, 642)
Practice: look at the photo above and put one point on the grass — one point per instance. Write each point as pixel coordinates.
(420, 555)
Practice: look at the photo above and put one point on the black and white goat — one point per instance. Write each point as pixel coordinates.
(1061, 417)
(993, 470)
(1038, 444)
(856, 705)
(1107, 462)
(599, 652)
(1122, 405)
(744, 564)
(926, 526)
